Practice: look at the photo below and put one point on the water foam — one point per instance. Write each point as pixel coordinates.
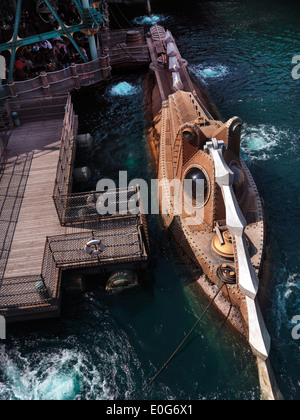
(146, 20)
(62, 375)
(287, 302)
(123, 89)
(206, 73)
(264, 142)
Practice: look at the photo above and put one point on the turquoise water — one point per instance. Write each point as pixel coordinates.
(108, 346)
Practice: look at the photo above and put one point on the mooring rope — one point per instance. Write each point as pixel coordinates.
(181, 344)
(116, 20)
(120, 11)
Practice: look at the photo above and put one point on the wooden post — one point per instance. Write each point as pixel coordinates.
(148, 8)
(75, 76)
(45, 83)
(105, 64)
(12, 88)
(106, 14)
(105, 35)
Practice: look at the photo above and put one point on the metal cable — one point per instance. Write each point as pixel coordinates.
(181, 344)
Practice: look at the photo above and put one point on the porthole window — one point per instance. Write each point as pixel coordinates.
(197, 186)
(189, 135)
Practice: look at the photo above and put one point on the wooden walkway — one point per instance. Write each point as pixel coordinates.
(35, 245)
(37, 217)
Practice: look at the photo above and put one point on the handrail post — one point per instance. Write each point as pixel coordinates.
(75, 76)
(105, 37)
(45, 83)
(105, 64)
(12, 88)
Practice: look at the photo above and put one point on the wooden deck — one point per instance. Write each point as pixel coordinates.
(37, 217)
(36, 244)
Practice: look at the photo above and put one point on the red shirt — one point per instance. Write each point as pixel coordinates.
(19, 65)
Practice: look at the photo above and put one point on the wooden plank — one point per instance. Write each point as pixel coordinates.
(38, 218)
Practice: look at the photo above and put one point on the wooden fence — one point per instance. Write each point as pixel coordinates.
(62, 81)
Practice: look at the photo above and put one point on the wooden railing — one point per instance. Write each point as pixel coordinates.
(63, 181)
(62, 81)
(115, 52)
(121, 52)
(124, 54)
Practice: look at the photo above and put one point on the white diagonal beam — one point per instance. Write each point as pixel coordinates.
(236, 223)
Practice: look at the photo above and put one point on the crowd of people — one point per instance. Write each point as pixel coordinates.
(49, 55)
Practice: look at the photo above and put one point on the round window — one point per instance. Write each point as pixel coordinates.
(196, 186)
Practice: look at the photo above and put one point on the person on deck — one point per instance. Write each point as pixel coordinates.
(19, 69)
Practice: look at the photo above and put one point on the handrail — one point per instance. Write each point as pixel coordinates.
(100, 66)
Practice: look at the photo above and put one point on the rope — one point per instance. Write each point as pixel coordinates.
(120, 11)
(230, 308)
(128, 53)
(181, 344)
(116, 20)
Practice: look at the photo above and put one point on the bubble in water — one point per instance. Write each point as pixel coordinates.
(61, 376)
(264, 142)
(287, 301)
(123, 89)
(210, 72)
(60, 387)
(256, 143)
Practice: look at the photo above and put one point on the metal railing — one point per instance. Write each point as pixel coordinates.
(75, 208)
(64, 176)
(37, 108)
(33, 291)
(78, 208)
(121, 239)
(26, 291)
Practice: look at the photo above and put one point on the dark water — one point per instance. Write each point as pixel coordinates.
(109, 346)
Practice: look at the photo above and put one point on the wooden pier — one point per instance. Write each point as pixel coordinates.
(38, 217)
(43, 225)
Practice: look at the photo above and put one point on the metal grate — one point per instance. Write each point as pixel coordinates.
(79, 208)
(121, 238)
(16, 292)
